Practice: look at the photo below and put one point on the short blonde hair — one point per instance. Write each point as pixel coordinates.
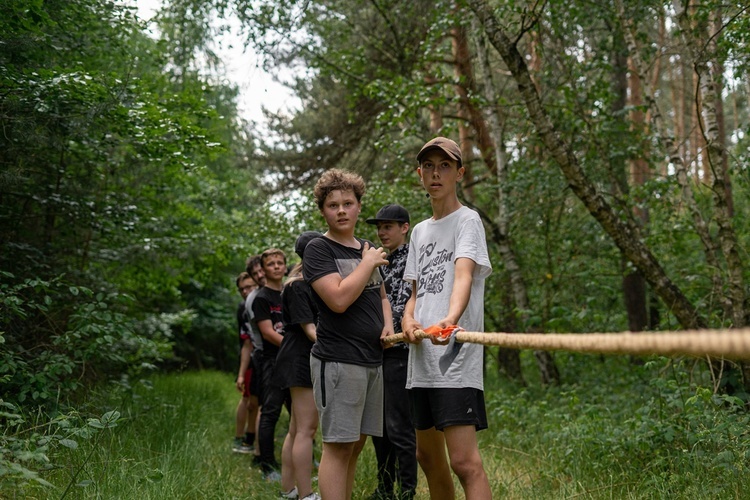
(271, 251)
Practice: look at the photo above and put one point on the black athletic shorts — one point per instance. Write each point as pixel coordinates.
(441, 408)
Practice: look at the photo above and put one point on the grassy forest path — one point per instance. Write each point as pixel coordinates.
(173, 440)
(193, 423)
(617, 432)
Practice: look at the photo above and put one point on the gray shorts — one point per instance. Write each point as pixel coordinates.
(349, 399)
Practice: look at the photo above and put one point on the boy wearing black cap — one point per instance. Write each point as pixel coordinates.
(396, 449)
(447, 264)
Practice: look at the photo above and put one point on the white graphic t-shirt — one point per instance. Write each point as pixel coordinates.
(435, 246)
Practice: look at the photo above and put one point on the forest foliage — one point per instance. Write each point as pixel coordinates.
(606, 148)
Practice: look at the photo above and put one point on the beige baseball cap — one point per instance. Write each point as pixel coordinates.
(444, 144)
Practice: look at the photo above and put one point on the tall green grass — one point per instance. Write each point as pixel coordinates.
(172, 440)
(613, 429)
(618, 429)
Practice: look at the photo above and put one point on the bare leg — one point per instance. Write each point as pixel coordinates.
(358, 446)
(434, 462)
(334, 465)
(287, 465)
(306, 417)
(252, 413)
(240, 419)
(466, 461)
(257, 423)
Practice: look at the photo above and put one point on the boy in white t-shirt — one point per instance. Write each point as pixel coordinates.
(447, 264)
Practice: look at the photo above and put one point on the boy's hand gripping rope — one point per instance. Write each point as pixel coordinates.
(431, 331)
(441, 333)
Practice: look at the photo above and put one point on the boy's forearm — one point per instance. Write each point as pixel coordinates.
(408, 317)
(455, 311)
(310, 331)
(387, 312)
(273, 337)
(461, 291)
(268, 333)
(245, 353)
(353, 285)
(339, 295)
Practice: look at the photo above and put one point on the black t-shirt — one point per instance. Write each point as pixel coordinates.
(297, 307)
(352, 336)
(267, 305)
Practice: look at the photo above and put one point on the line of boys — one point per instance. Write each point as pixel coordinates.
(446, 266)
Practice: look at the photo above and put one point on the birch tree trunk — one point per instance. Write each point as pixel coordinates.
(678, 104)
(696, 141)
(708, 97)
(622, 231)
(720, 121)
(676, 158)
(545, 361)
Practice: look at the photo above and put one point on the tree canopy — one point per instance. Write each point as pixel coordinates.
(601, 140)
(606, 148)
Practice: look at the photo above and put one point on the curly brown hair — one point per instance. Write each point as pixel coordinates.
(335, 179)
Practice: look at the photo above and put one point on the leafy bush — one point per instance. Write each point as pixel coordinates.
(614, 420)
(54, 336)
(25, 446)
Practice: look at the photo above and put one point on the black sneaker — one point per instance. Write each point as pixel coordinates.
(407, 495)
(239, 446)
(380, 495)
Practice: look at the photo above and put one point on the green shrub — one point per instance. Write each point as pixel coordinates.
(56, 336)
(25, 446)
(655, 430)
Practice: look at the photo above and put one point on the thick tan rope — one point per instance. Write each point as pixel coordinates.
(729, 343)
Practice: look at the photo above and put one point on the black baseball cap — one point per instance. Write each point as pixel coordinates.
(391, 212)
(302, 241)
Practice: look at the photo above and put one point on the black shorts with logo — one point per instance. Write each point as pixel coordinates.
(441, 408)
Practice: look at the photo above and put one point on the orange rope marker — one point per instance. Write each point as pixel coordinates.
(442, 333)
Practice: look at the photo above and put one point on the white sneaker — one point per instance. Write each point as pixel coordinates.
(312, 496)
(289, 494)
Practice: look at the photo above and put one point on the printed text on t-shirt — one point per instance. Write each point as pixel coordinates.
(432, 268)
